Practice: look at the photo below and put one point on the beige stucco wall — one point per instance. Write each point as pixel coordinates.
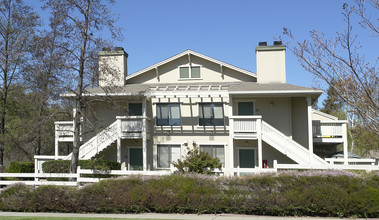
(300, 121)
(271, 66)
(210, 72)
(112, 69)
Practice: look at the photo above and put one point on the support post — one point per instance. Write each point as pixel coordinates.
(231, 134)
(345, 150)
(56, 149)
(144, 150)
(310, 133)
(119, 140)
(259, 134)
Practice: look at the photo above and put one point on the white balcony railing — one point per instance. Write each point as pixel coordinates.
(64, 131)
(328, 129)
(245, 126)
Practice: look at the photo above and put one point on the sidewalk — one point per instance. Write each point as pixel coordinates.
(159, 216)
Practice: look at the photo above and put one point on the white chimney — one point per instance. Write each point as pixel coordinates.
(112, 67)
(271, 65)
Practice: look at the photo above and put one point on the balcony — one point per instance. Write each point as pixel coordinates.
(329, 131)
(245, 127)
(131, 127)
(64, 131)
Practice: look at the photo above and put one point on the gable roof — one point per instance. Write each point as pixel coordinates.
(190, 52)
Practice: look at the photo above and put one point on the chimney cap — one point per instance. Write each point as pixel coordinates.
(118, 48)
(106, 49)
(278, 43)
(264, 43)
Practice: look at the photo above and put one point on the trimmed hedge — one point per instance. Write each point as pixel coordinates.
(63, 166)
(20, 167)
(278, 195)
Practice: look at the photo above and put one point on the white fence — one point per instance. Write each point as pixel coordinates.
(37, 179)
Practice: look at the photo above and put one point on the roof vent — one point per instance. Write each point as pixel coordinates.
(262, 44)
(277, 43)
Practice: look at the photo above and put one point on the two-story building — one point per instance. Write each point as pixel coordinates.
(250, 121)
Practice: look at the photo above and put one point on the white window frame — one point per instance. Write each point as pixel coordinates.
(168, 103)
(215, 144)
(190, 72)
(198, 114)
(157, 156)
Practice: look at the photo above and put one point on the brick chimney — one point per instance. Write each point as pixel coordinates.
(112, 67)
(271, 66)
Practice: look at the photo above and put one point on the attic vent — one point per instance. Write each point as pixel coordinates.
(277, 43)
(262, 44)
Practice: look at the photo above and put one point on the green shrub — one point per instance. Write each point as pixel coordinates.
(21, 167)
(197, 161)
(295, 194)
(63, 166)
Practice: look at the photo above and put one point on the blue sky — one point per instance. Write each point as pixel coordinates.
(226, 30)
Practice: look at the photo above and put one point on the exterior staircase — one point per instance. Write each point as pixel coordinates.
(97, 143)
(290, 148)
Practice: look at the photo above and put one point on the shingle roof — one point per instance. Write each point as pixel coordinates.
(256, 88)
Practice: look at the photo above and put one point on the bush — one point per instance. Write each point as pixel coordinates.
(63, 166)
(331, 194)
(197, 161)
(21, 167)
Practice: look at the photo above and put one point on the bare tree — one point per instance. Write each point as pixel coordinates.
(17, 27)
(338, 61)
(78, 22)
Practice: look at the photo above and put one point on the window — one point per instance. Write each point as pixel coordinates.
(189, 72)
(215, 151)
(168, 114)
(167, 154)
(211, 114)
(135, 109)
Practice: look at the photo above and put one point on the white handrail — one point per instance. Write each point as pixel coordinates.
(97, 143)
(288, 146)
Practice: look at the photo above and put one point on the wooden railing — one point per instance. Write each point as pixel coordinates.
(328, 129)
(64, 130)
(245, 126)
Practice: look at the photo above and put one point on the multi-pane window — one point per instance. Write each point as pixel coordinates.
(215, 151)
(167, 154)
(211, 114)
(189, 72)
(168, 114)
(135, 109)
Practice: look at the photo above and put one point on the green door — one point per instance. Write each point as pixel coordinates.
(136, 162)
(247, 158)
(245, 108)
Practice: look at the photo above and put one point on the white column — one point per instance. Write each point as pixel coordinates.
(345, 150)
(310, 133)
(144, 150)
(231, 134)
(119, 140)
(56, 153)
(259, 134)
